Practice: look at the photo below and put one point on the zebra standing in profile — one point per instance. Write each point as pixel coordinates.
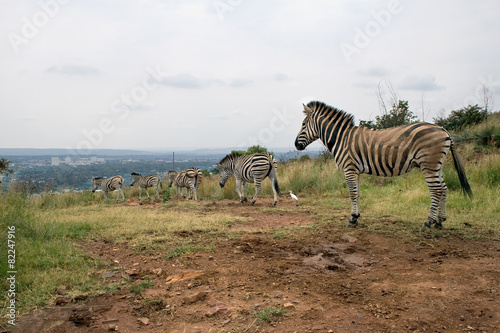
(190, 179)
(146, 182)
(387, 152)
(249, 168)
(108, 185)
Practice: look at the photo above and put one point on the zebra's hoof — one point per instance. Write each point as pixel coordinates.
(351, 224)
(427, 225)
(274, 204)
(252, 203)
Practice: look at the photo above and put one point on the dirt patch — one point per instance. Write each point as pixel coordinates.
(325, 280)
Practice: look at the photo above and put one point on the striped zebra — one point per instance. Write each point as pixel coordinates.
(146, 182)
(108, 185)
(387, 152)
(249, 168)
(189, 179)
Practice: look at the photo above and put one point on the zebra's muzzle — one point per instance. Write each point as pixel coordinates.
(299, 145)
(221, 184)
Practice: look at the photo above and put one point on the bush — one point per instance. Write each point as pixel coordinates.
(458, 119)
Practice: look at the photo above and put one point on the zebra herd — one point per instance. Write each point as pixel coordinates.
(356, 150)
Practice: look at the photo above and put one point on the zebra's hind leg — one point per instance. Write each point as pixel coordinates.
(257, 191)
(438, 192)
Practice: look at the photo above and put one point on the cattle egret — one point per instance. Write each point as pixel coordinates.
(294, 198)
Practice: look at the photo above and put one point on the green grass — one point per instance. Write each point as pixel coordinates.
(269, 314)
(179, 251)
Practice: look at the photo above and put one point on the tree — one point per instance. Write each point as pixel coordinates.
(469, 115)
(397, 116)
(4, 167)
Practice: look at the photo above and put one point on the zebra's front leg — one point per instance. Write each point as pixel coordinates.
(243, 191)
(238, 190)
(140, 193)
(147, 192)
(257, 191)
(352, 180)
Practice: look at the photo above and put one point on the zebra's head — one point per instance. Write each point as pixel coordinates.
(171, 177)
(96, 182)
(308, 132)
(134, 177)
(226, 167)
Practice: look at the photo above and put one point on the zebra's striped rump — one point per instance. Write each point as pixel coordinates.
(108, 185)
(388, 152)
(146, 182)
(189, 179)
(249, 168)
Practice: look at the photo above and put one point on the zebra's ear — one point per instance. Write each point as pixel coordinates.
(307, 110)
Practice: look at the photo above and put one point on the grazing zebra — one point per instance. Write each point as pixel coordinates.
(249, 168)
(108, 185)
(387, 152)
(190, 179)
(146, 182)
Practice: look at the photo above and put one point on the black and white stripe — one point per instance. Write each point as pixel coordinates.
(108, 185)
(249, 168)
(189, 179)
(387, 152)
(145, 182)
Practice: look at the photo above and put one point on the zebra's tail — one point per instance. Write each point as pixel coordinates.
(461, 172)
(274, 173)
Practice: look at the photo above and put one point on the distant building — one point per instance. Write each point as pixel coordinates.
(55, 161)
(67, 160)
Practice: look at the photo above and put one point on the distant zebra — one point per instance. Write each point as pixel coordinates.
(145, 182)
(190, 179)
(387, 152)
(249, 168)
(108, 185)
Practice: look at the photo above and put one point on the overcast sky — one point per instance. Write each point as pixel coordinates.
(225, 73)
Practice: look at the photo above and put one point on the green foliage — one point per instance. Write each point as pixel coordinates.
(252, 150)
(166, 194)
(141, 287)
(269, 314)
(397, 116)
(458, 119)
(4, 167)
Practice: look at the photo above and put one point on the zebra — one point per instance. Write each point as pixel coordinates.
(387, 152)
(249, 168)
(189, 178)
(108, 185)
(146, 182)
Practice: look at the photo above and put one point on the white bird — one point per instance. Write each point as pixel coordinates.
(294, 197)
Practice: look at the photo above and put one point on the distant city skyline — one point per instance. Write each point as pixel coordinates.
(212, 74)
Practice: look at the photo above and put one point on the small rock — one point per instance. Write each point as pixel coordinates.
(348, 238)
(108, 274)
(289, 306)
(112, 328)
(218, 309)
(135, 264)
(62, 300)
(109, 321)
(60, 291)
(143, 321)
(195, 297)
(157, 271)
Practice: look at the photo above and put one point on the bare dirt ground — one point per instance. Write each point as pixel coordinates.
(328, 280)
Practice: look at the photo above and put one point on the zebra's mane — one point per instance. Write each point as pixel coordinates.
(135, 174)
(97, 178)
(329, 111)
(229, 157)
